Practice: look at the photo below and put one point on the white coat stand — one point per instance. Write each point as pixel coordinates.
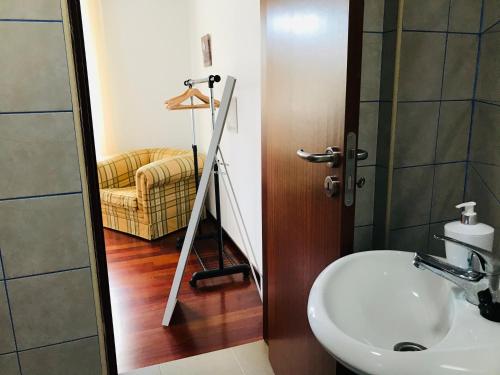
(212, 164)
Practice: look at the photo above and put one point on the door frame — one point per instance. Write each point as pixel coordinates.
(353, 91)
(90, 160)
(351, 121)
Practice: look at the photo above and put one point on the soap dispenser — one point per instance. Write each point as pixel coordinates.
(467, 230)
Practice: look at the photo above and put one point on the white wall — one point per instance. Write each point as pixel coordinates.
(143, 58)
(94, 48)
(234, 26)
(144, 50)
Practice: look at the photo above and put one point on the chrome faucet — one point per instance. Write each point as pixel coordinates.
(473, 282)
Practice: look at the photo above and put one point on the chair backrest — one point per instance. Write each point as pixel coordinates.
(156, 154)
(119, 171)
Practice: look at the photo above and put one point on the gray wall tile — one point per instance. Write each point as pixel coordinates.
(491, 13)
(374, 15)
(384, 133)
(449, 183)
(465, 16)
(493, 29)
(368, 126)
(488, 84)
(9, 364)
(487, 207)
(33, 68)
(489, 175)
(380, 197)
(78, 358)
(485, 134)
(460, 66)
(52, 308)
(410, 239)
(370, 66)
(421, 66)
(416, 133)
(43, 235)
(378, 238)
(390, 14)
(453, 132)
(7, 343)
(365, 196)
(38, 155)
(430, 15)
(388, 64)
(411, 200)
(363, 238)
(31, 9)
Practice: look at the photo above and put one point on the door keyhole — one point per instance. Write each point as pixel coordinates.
(361, 182)
(332, 186)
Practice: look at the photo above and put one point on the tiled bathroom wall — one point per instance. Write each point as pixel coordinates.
(373, 33)
(439, 50)
(47, 312)
(483, 173)
(440, 124)
(377, 80)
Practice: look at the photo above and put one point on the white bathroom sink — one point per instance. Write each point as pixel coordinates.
(364, 304)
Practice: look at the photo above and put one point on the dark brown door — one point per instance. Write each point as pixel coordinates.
(311, 79)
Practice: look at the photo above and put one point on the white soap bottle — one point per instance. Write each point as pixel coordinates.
(467, 230)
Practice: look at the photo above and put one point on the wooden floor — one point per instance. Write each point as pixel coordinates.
(220, 313)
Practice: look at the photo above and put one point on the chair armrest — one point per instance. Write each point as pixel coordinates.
(155, 179)
(119, 171)
(168, 171)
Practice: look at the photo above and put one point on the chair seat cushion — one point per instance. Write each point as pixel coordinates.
(120, 197)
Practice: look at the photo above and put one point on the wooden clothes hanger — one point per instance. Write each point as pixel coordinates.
(175, 103)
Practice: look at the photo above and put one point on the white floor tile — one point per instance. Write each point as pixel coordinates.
(221, 362)
(248, 359)
(253, 358)
(152, 370)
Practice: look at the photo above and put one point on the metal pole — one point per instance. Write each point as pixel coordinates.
(220, 238)
(212, 106)
(195, 148)
(193, 121)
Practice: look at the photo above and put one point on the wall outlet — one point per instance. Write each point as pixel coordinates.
(232, 116)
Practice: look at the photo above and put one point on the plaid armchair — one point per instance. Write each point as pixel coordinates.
(148, 193)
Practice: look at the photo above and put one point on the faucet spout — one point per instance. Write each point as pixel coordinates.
(468, 280)
(481, 288)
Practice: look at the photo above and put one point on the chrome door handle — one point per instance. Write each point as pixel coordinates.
(330, 156)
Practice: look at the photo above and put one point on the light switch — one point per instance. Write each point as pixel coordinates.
(232, 116)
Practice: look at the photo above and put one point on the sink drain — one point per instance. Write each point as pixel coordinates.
(408, 347)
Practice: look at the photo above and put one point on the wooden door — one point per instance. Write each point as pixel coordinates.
(311, 81)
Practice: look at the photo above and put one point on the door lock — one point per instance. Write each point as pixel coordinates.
(332, 186)
(361, 182)
(353, 155)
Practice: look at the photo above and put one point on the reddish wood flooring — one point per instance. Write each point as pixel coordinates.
(220, 313)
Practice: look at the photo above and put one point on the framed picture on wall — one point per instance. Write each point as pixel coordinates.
(206, 49)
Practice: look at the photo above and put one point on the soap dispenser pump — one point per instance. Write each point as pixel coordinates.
(469, 216)
(467, 230)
